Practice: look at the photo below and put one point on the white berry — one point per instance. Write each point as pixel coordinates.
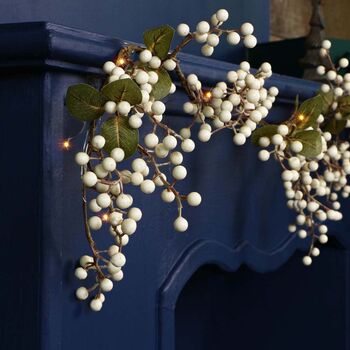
(170, 142)
(151, 140)
(93, 206)
(123, 201)
(135, 121)
(110, 107)
(109, 164)
(307, 261)
(82, 158)
(296, 146)
(194, 199)
(135, 214)
(124, 106)
(118, 260)
(89, 179)
(129, 226)
(98, 141)
(95, 223)
(86, 260)
(106, 285)
(213, 40)
(158, 107)
(147, 186)
(103, 200)
(180, 224)
(167, 196)
(82, 293)
(108, 67)
(247, 29)
(176, 158)
(203, 27)
(183, 29)
(250, 41)
(117, 154)
(264, 155)
(204, 135)
(96, 305)
(155, 62)
(80, 273)
(169, 64)
(239, 139)
(187, 145)
(222, 15)
(233, 38)
(179, 172)
(145, 56)
(119, 275)
(207, 50)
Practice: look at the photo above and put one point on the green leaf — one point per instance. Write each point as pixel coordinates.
(344, 105)
(312, 143)
(335, 127)
(308, 112)
(267, 131)
(158, 40)
(85, 102)
(327, 100)
(118, 133)
(123, 90)
(162, 87)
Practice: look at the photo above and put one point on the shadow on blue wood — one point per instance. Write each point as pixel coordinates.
(243, 218)
(291, 308)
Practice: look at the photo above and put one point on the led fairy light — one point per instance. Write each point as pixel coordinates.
(314, 161)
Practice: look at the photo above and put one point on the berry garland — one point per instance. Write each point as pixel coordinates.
(314, 159)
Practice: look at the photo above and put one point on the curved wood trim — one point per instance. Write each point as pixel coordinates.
(203, 252)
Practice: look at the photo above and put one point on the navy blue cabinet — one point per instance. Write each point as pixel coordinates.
(234, 274)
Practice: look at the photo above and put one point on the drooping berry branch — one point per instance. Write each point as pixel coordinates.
(314, 161)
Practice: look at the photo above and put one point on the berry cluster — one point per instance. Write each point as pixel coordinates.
(239, 104)
(314, 158)
(137, 80)
(315, 161)
(209, 34)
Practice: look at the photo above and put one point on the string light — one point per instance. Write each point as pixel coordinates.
(120, 61)
(301, 117)
(66, 144)
(105, 217)
(207, 95)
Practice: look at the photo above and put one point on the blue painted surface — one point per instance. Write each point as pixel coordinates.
(242, 220)
(291, 308)
(129, 19)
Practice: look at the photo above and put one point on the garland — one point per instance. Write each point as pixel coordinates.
(314, 158)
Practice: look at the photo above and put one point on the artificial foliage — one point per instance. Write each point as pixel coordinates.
(310, 146)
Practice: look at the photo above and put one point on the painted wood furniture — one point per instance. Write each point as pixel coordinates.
(176, 293)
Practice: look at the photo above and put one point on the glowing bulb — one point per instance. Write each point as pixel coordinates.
(120, 61)
(301, 117)
(105, 217)
(207, 95)
(66, 145)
